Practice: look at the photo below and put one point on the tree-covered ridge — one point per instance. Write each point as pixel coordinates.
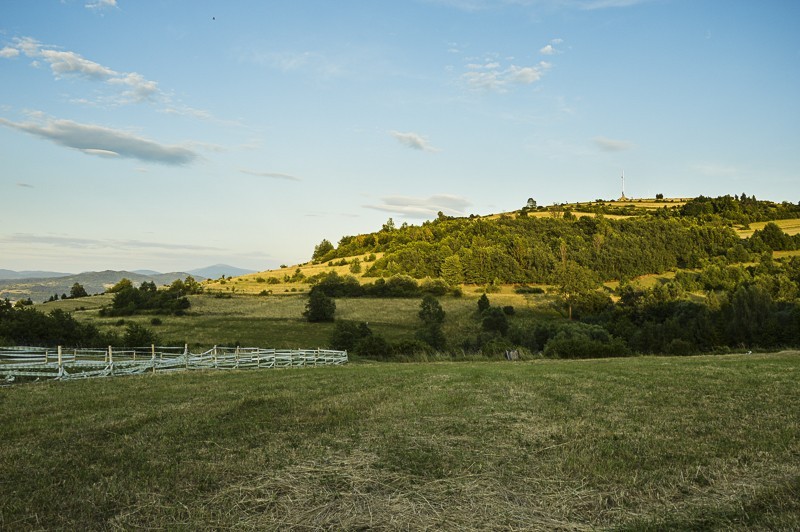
(741, 210)
(526, 249)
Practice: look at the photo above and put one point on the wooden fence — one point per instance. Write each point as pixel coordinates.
(65, 364)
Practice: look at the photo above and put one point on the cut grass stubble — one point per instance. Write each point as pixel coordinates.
(644, 442)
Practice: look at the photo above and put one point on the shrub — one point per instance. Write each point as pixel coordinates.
(436, 287)
(494, 320)
(320, 307)
(483, 304)
(372, 347)
(138, 335)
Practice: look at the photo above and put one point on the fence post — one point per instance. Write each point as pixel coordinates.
(237, 357)
(153, 356)
(186, 354)
(214, 354)
(60, 362)
(111, 359)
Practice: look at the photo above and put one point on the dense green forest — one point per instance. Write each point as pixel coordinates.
(526, 249)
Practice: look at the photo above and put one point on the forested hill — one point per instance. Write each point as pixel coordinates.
(523, 248)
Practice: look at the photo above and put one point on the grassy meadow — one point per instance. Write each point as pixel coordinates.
(276, 321)
(617, 444)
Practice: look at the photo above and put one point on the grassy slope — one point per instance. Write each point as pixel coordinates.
(705, 442)
(790, 227)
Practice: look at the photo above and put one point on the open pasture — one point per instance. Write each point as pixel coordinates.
(790, 227)
(639, 443)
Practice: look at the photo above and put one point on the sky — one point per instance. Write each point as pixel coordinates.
(171, 135)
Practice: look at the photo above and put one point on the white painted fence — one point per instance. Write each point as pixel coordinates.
(65, 364)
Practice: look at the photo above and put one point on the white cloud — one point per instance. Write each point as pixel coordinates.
(607, 144)
(100, 153)
(413, 141)
(9, 52)
(604, 4)
(423, 207)
(101, 141)
(494, 77)
(271, 175)
(101, 4)
(62, 63)
(135, 87)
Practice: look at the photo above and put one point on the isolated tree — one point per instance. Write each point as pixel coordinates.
(320, 307)
(355, 266)
(432, 315)
(77, 290)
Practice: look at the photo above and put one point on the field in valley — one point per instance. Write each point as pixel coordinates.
(637, 443)
(276, 321)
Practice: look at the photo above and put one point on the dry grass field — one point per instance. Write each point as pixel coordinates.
(790, 227)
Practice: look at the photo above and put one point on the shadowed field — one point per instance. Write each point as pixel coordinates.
(658, 443)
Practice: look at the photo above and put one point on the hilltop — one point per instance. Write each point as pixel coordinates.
(616, 240)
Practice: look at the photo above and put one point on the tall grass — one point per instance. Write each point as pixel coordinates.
(641, 443)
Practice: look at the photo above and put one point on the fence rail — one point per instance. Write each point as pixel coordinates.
(68, 364)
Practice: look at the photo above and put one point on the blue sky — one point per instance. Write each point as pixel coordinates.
(170, 135)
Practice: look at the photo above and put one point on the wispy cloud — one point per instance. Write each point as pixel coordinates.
(271, 175)
(123, 87)
(25, 185)
(607, 144)
(101, 4)
(135, 87)
(92, 243)
(414, 141)
(480, 5)
(101, 141)
(423, 207)
(492, 76)
(605, 4)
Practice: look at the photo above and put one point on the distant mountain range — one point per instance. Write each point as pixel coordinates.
(41, 285)
(11, 274)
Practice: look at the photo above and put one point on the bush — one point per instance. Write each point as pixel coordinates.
(483, 304)
(372, 347)
(138, 336)
(346, 334)
(495, 320)
(585, 341)
(320, 307)
(435, 287)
